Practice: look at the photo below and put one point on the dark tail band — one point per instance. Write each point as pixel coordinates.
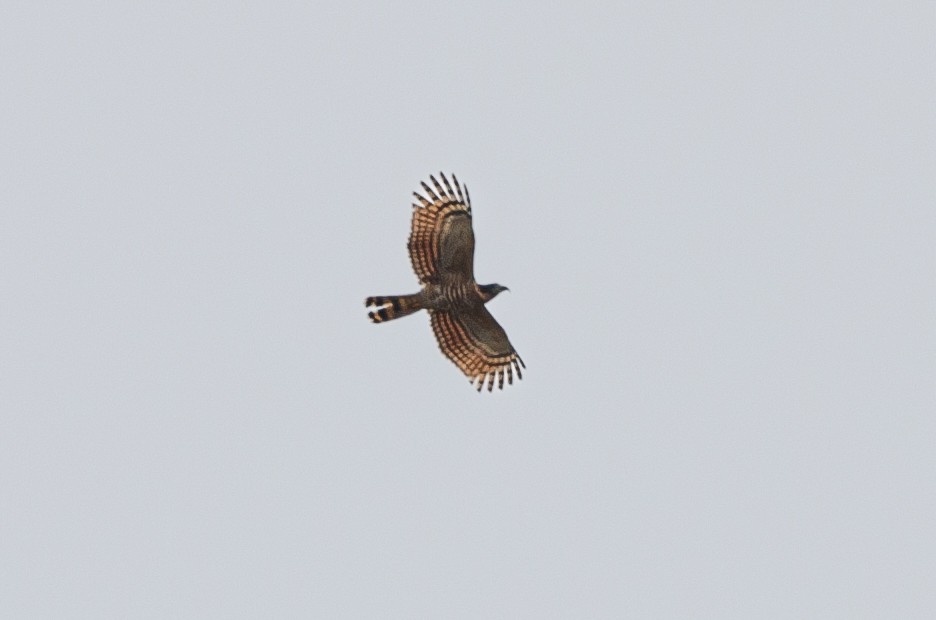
(391, 307)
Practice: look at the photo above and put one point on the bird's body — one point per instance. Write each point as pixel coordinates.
(441, 248)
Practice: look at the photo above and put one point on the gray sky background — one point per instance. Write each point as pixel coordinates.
(717, 221)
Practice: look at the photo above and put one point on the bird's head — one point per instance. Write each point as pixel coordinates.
(490, 291)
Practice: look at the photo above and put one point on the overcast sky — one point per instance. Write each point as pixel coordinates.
(717, 222)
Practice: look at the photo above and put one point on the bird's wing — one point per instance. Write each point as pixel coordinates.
(475, 342)
(441, 242)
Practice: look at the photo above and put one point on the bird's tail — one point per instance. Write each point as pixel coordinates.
(392, 307)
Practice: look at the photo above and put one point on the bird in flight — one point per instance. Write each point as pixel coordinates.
(441, 248)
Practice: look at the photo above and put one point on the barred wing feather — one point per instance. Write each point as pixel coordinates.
(478, 345)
